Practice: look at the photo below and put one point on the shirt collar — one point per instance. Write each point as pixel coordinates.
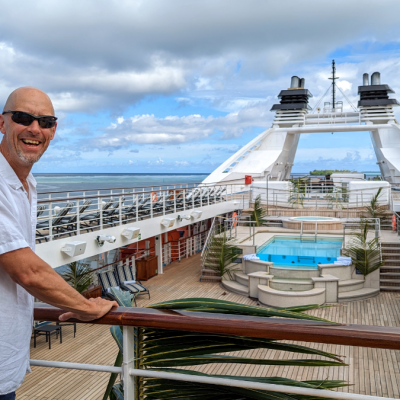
(11, 177)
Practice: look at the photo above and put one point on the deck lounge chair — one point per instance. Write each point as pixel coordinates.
(40, 210)
(69, 222)
(108, 280)
(113, 212)
(126, 280)
(56, 221)
(90, 218)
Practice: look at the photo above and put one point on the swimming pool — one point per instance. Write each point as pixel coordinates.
(296, 252)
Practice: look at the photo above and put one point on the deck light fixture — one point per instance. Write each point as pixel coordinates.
(196, 214)
(182, 217)
(105, 238)
(75, 248)
(168, 222)
(131, 233)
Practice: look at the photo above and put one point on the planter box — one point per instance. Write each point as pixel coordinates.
(92, 292)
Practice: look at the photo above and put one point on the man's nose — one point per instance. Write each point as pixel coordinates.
(34, 127)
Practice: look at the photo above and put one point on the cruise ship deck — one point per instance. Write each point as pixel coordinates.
(371, 371)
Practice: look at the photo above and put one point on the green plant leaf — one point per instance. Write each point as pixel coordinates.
(78, 275)
(122, 297)
(227, 307)
(117, 392)
(113, 377)
(213, 359)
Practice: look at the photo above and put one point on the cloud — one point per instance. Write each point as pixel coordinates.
(360, 159)
(115, 53)
(148, 129)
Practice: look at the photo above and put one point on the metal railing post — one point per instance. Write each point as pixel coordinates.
(316, 230)
(120, 210)
(174, 200)
(101, 212)
(50, 221)
(301, 230)
(163, 202)
(137, 207)
(78, 218)
(128, 361)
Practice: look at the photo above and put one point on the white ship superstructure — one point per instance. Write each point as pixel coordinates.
(272, 153)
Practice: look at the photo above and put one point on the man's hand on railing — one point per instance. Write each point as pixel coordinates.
(96, 309)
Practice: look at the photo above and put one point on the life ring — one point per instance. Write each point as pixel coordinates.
(153, 197)
(394, 222)
(235, 219)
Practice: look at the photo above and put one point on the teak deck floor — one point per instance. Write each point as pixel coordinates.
(371, 371)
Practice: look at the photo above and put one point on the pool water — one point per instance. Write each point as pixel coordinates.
(295, 252)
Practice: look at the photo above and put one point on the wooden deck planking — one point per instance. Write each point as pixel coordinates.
(372, 371)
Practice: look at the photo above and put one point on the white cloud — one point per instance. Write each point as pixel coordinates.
(147, 129)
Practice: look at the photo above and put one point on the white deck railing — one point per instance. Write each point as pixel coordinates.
(74, 213)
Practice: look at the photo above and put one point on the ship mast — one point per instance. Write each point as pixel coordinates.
(334, 77)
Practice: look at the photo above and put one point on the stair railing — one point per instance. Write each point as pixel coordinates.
(210, 235)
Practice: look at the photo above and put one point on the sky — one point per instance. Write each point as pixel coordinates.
(181, 85)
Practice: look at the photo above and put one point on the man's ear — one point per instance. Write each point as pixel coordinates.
(2, 124)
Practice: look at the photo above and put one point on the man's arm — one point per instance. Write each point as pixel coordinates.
(41, 281)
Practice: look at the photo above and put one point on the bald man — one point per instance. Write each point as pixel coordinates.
(28, 125)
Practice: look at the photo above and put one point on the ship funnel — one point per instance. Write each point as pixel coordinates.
(365, 79)
(302, 83)
(295, 82)
(376, 78)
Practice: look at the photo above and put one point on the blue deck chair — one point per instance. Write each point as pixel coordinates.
(124, 274)
(108, 280)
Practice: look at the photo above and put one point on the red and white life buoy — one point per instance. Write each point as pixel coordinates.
(394, 222)
(153, 197)
(235, 219)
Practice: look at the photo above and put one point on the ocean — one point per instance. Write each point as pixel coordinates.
(77, 182)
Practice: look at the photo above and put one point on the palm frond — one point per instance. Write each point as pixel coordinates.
(221, 255)
(169, 351)
(365, 254)
(78, 275)
(258, 212)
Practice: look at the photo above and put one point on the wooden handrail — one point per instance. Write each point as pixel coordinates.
(273, 328)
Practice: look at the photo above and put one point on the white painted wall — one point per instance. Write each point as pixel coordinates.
(52, 254)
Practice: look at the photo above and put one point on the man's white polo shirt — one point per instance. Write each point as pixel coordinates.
(17, 230)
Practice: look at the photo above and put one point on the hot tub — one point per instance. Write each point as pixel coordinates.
(310, 222)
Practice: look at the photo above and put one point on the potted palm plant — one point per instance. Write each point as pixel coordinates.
(79, 276)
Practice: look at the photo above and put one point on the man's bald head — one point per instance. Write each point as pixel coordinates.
(20, 96)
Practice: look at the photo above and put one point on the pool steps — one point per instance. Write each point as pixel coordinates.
(390, 271)
(280, 298)
(280, 287)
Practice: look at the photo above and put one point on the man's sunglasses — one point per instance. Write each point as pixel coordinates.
(24, 118)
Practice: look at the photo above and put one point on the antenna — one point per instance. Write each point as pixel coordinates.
(334, 77)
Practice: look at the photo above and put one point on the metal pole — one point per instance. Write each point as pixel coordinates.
(50, 221)
(128, 361)
(252, 385)
(267, 179)
(82, 367)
